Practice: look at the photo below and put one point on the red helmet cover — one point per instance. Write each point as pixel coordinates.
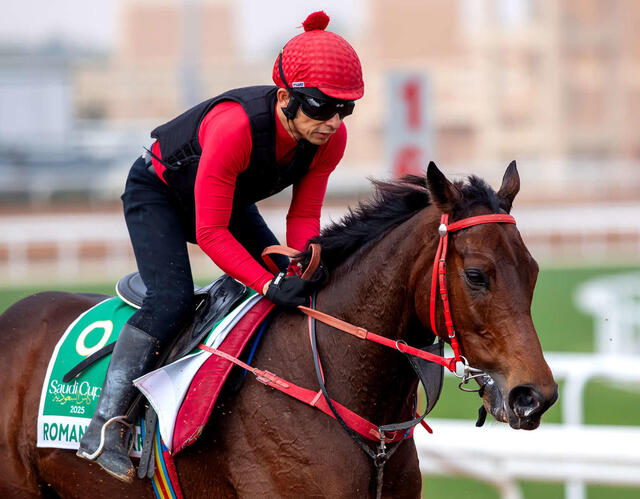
(320, 59)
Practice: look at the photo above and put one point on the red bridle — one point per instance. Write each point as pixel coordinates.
(440, 270)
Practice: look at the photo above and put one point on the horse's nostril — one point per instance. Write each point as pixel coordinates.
(524, 401)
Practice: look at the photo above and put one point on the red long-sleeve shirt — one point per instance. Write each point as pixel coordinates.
(225, 138)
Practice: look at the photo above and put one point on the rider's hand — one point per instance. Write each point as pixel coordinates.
(291, 291)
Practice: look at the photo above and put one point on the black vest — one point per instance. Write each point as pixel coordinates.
(181, 152)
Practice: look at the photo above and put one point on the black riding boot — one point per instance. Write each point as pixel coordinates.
(135, 354)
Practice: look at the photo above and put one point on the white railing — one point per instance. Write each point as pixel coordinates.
(570, 452)
(65, 234)
(614, 303)
(582, 231)
(553, 453)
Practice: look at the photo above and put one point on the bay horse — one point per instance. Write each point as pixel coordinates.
(261, 443)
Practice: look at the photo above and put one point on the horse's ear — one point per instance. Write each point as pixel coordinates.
(510, 187)
(444, 194)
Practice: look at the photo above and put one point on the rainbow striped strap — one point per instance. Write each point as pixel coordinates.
(165, 478)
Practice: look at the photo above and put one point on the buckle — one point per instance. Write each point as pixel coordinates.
(268, 378)
(146, 156)
(361, 333)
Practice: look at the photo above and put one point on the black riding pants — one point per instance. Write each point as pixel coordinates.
(159, 243)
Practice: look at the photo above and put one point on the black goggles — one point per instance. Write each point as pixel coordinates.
(321, 109)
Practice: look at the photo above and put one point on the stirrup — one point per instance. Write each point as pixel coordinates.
(98, 451)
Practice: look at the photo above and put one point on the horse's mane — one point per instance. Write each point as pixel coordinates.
(392, 203)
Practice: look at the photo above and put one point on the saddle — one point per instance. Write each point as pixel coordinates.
(212, 303)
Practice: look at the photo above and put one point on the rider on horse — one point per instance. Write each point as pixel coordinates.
(199, 183)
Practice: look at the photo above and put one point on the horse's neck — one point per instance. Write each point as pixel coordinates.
(373, 290)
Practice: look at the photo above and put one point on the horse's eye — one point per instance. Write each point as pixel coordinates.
(476, 278)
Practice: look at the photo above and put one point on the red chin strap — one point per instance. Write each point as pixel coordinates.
(440, 270)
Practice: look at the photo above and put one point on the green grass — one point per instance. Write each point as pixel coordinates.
(10, 295)
(612, 405)
(438, 487)
(560, 325)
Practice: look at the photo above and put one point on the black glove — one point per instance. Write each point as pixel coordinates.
(291, 291)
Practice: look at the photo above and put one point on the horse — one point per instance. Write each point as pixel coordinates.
(261, 443)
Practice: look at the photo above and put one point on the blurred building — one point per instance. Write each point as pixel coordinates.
(554, 83)
(161, 44)
(532, 78)
(35, 98)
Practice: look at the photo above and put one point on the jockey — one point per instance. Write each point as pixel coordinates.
(199, 183)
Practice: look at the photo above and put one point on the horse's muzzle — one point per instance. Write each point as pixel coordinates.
(527, 405)
(524, 408)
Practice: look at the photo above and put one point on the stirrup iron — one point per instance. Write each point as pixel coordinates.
(98, 451)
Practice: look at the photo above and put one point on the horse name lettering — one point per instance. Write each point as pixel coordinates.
(62, 432)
